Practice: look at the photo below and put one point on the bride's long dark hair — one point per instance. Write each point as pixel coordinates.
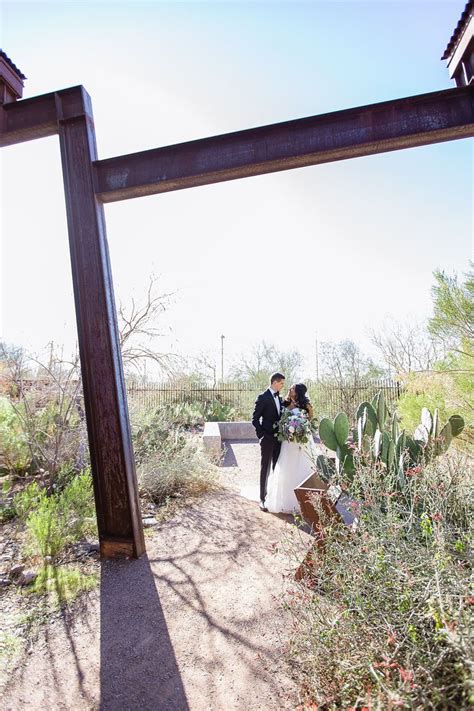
(302, 400)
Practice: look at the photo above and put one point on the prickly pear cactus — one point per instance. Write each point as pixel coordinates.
(377, 437)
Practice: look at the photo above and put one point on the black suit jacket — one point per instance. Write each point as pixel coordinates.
(265, 414)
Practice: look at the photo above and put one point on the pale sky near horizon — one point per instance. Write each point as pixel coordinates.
(351, 242)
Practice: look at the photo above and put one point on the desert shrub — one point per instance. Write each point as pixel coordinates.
(77, 496)
(42, 427)
(175, 471)
(55, 433)
(15, 456)
(47, 526)
(7, 511)
(194, 414)
(384, 617)
(150, 429)
(26, 500)
(76, 501)
(186, 414)
(53, 521)
(216, 411)
(169, 462)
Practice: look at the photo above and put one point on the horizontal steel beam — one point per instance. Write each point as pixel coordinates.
(377, 128)
(40, 116)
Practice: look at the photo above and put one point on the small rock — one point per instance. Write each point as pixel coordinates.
(48, 559)
(27, 577)
(4, 582)
(149, 522)
(17, 570)
(94, 548)
(81, 549)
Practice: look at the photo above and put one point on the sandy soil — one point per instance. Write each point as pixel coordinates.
(196, 624)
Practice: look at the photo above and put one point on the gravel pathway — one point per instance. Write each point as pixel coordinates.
(196, 624)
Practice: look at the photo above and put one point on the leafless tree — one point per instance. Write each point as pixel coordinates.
(206, 367)
(406, 346)
(137, 325)
(344, 362)
(263, 359)
(348, 371)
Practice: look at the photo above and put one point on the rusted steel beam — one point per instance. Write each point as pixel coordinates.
(388, 126)
(29, 119)
(110, 444)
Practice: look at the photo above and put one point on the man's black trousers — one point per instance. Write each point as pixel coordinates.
(270, 451)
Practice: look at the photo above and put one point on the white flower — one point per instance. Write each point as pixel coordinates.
(291, 429)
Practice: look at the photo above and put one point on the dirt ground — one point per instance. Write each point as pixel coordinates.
(198, 623)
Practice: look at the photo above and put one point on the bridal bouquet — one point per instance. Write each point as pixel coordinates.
(294, 427)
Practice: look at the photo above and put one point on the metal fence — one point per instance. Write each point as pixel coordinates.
(328, 398)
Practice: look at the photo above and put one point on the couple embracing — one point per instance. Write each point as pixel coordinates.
(284, 465)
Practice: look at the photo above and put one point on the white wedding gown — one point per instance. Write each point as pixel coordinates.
(295, 464)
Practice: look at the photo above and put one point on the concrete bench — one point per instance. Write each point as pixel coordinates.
(216, 432)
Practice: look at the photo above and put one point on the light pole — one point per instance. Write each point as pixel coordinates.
(222, 358)
(317, 359)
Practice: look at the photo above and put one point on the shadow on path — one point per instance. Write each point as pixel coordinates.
(230, 456)
(220, 569)
(138, 664)
(229, 459)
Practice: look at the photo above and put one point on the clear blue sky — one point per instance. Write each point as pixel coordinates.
(353, 241)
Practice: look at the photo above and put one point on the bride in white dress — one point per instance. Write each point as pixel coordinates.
(295, 463)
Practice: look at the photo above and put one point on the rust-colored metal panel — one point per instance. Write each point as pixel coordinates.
(312, 485)
(377, 128)
(335, 503)
(113, 466)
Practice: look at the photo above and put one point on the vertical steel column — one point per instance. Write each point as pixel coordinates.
(113, 465)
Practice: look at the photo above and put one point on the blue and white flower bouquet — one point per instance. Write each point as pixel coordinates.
(294, 426)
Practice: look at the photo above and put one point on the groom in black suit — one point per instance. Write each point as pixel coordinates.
(266, 414)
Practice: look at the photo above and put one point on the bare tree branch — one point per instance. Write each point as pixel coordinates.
(406, 346)
(137, 323)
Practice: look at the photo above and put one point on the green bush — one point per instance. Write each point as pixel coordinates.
(384, 617)
(14, 451)
(422, 390)
(55, 521)
(150, 430)
(47, 526)
(186, 414)
(449, 391)
(219, 412)
(76, 501)
(26, 500)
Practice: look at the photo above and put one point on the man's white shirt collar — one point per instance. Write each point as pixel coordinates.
(277, 399)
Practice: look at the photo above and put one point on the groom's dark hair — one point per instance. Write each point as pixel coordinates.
(276, 376)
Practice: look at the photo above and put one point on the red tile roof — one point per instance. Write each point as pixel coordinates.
(460, 27)
(10, 64)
